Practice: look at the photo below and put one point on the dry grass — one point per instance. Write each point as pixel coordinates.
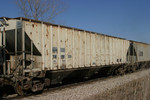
(134, 90)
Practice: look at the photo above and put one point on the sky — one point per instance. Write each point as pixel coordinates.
(128, 19)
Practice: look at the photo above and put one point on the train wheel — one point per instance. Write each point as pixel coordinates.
(129, 69)
(37, 88)
(133, 68)
(120, 71)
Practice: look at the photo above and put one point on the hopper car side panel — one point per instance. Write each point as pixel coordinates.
(93, 55)
(98, 62)
(111, 51)
(102, 50)
(34, 32)
(69, 52)
(82, 49)
(88, 49)
(63, 48)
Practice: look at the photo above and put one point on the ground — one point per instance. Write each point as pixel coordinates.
(133, 86)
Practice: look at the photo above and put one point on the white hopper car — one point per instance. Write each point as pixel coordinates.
(35, 54)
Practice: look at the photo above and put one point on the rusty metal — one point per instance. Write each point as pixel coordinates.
(19, 90)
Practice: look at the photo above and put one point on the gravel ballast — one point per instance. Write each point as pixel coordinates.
(85, 91)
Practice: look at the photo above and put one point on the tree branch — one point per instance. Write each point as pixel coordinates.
(45, 10)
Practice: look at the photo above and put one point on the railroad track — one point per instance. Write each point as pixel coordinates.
(54, 89)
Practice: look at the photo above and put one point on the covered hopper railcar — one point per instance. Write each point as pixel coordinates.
(35, 54)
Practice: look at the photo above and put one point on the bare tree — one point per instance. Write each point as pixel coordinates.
(45, 10)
